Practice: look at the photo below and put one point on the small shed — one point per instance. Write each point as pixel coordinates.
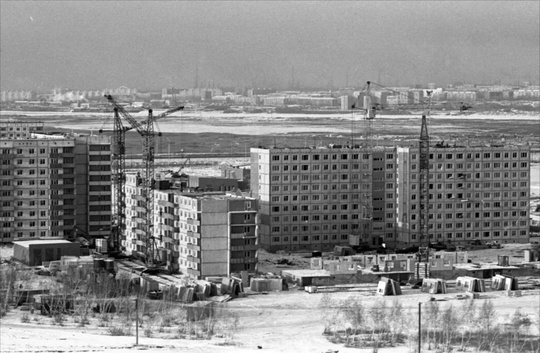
(268, 284)
(308, 277)
(388, 286)
(35, 252)
(470, 284)
(433, 285)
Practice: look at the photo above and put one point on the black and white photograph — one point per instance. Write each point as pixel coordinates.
(270, 176)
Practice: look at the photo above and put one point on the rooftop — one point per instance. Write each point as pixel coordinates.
(27, 243)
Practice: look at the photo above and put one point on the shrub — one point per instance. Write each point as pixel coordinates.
(25, 318)
(117, 331)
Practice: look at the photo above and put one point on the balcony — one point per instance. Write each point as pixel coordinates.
(165, 203)
(242, 235)
(192, 272)
(194, 259)
(193, 247)
(138, 197)
(193, 234)
(193, 222)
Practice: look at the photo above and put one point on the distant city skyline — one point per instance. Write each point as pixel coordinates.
(153, 45)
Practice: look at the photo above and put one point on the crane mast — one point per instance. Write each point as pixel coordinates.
(118, 167)
(424, 182)
(367, 212)
(148, 157)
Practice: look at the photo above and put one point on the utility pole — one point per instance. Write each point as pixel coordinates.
(419, 327)
(137, 321)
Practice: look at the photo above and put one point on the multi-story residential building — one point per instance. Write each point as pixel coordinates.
(10, 96)
(316, 198)
(19, 129)
(474, 193)
(52, 184)
(200, 234)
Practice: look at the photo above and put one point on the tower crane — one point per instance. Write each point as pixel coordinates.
(147, 132)
(423, 182)
(370, 110)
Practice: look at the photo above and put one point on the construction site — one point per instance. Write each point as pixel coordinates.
(281, 251)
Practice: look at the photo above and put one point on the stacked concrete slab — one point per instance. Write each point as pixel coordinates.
(268, 284)
(504, 282)
(433, 285)
(470, 284)
(388, 286)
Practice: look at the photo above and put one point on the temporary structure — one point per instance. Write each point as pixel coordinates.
(388, 286)
(433, 285)
(470, 284)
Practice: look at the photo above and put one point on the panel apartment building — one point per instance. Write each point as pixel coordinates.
(50, 184)
(475, 193)
(317, 198)
(200, 233)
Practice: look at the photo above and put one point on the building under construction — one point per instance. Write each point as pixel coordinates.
(313, 198)
(197, 233)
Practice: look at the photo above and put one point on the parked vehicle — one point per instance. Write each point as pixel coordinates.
(438, 246)
(494, 244)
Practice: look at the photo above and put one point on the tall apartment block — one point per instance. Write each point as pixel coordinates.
(201, 233)
(475, 193)
(51, 184)
(317, 198)
(19, 129)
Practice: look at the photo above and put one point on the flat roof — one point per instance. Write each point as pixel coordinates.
(307, 273)
(484, 267)
(27, 243)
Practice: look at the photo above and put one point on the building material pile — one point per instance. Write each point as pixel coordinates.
(388, 286)
(470, 284)
(504, 282)
(433, 286)
(268, 284)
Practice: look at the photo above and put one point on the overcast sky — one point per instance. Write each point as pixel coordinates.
(155, 44)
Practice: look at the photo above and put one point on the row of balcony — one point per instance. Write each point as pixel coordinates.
(246, 260)
(242, 235)
(244, 248)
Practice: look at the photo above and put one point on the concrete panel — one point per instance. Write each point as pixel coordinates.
(213, 256)
(214, 269)
(211, 218)
(214, 244)
(213, 234)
